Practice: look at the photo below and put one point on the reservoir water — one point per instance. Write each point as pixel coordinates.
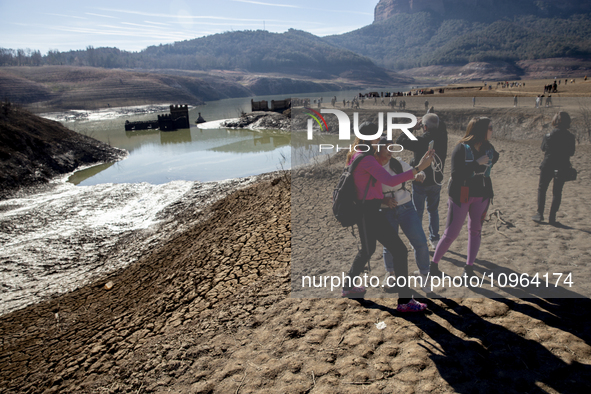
(196, 154)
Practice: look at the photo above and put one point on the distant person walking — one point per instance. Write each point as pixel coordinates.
(426, 105)
(473, 101)
(515, 101)
(558, 146)
(470, 191)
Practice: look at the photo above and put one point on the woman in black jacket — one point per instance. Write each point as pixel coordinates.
(558, 146)
(470, 191)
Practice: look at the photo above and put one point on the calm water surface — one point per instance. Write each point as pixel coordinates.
(197, 154)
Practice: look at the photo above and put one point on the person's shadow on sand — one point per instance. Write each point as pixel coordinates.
(560, 225)
(570, 313)
(494, 359)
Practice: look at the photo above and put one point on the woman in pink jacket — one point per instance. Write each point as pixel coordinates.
(369, 176)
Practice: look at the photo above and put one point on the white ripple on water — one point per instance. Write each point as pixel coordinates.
(53, 241)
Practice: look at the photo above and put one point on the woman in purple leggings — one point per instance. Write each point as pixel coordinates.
(470, 191)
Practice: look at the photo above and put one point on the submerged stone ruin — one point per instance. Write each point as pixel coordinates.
(177, 119)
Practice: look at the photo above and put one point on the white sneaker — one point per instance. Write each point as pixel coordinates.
(433, 244)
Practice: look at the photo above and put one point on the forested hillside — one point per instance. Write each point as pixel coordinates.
(293, 52)
(427, 38)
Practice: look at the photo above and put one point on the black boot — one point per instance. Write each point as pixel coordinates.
(552, 218)
(434, 270)
(469, 272)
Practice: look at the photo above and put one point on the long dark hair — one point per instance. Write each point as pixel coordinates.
(476, 132)
(396, 166)
(561, 120)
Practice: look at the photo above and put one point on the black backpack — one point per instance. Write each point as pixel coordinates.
(345, 205)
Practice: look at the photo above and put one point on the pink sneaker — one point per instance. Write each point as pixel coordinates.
(412, 306)
(354, 292)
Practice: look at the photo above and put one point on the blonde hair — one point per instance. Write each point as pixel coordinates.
(359, 141)
(364, 128)
(352, 151)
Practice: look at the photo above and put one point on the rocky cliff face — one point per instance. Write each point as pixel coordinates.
(449, 8)
(387, 8)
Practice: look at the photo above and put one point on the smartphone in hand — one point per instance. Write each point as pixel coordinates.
(431, 144)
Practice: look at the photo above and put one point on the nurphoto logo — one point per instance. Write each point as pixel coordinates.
(345, 124)
(345, 128)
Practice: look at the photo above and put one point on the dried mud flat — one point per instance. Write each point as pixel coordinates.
(209, 311)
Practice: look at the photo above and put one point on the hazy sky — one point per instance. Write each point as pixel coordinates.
(134, 25)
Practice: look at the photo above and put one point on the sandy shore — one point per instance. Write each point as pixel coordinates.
(483, 101)
(569, 87)
(59, 237)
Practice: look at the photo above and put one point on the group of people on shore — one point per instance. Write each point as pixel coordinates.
(388, 205)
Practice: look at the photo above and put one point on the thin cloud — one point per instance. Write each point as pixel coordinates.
(134, 24)
(103, 16)
(175, 16)
(68, 16)
(157, 23)
(224, 24)
(220, 18)
(123, 32)
(347, 12)
(269, 4)
(313, 9)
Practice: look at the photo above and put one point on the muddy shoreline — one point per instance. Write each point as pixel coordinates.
(259, 120)
(58, 237)
(103, 113)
